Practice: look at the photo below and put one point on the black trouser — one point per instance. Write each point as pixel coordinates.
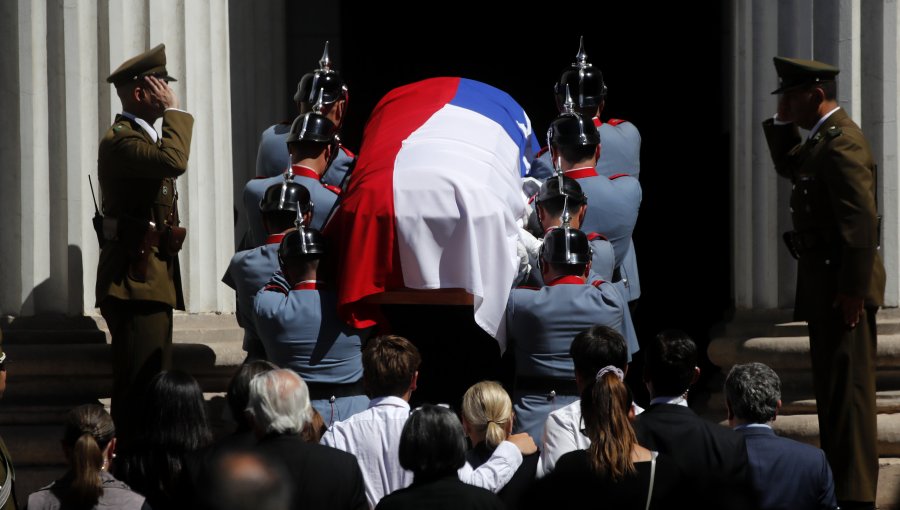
(141, 348)
(843, 363)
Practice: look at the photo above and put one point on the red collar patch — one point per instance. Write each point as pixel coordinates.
(566, 280)
(275, 239)
(305, 171)
(581, 173)
(309, 285)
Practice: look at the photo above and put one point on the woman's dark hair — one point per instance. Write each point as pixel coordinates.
(173, 424)
(433, 443)
(604, 407)
(89, 429)
(239, 390)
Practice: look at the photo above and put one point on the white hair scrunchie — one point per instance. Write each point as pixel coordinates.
(609, 368)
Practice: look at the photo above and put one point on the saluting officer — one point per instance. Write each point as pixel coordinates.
(840, 278)
(312, 144)
(296, 317)
(558, 198)
(272, 157)
(249, 270)
(138, 280)
(541, 324)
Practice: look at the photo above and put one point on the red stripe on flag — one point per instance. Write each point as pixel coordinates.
(368, 261)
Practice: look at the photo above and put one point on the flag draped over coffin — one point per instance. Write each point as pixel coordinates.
(434, 199)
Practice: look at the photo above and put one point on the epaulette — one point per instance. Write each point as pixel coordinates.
(332, 188)
(597, 283)
(596, 235)
(541, 152)
(275, 288)
(615, 122)
(348, 151)
(834, 132)
(616, 176)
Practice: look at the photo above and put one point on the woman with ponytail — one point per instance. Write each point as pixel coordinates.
(89, 445)
(487, 418)
(615, 471)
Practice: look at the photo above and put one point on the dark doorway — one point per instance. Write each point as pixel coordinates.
(664, 65)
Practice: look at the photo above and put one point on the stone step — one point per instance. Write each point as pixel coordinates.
(187, 328)
(776, 323)
(788, 352)
(887, 402)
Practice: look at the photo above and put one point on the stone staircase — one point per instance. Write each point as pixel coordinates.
(56, 364)
(771, 337)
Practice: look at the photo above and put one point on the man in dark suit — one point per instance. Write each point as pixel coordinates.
(138, 279)
(322, 477)
(840, 277)
(712, 458)
(786, 474)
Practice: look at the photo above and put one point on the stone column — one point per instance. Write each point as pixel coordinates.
(879, 111)
(57, 104)
(827, 30)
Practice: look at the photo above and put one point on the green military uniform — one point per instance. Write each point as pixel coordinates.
(137, 182)
(836, 238)
(7, 473)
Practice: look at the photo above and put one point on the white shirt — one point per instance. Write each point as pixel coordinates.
(562, 434)
(374, 437)
(144, 124)
(815, 128)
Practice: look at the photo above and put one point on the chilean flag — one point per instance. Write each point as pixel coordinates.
(434, 199)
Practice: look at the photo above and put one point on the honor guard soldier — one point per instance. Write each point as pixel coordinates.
(621, 140)
(840, 274)
(312, 144)
(614, 201)
(272, 157)
(559, 199)
(296, 318)
(541, 324)
(138, 278)
(249, 270)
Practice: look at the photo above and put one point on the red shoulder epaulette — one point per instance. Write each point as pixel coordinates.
(615, 122)
(348, 152)
(331, 188)
(616, 176)
(528, 287)
(275, 288)
(541, 152)
(596, 235)
(597, 283)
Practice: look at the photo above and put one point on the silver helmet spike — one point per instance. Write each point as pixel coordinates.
(288, 178)
(325, 61)
(581, 57)
(568, 105)
(320, 105)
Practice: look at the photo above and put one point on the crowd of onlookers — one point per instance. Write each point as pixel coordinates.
(603, 449)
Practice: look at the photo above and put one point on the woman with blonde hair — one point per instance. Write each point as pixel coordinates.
(89, 445)
(615, 470)
(487, 418)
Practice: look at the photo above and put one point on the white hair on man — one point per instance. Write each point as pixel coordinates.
(279, 402)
